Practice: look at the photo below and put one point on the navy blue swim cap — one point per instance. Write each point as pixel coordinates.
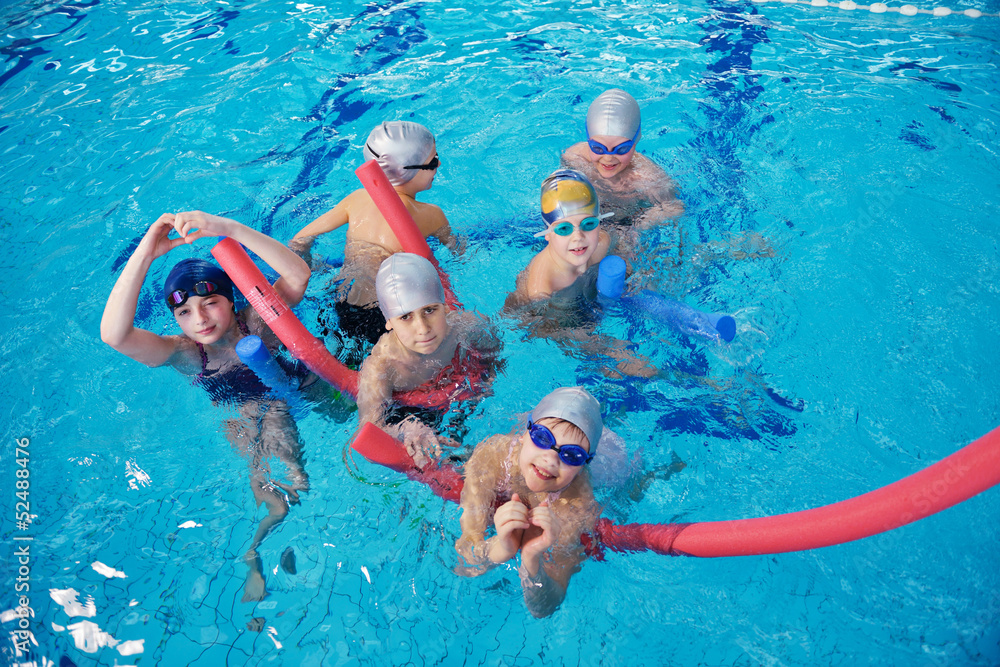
(186, 276)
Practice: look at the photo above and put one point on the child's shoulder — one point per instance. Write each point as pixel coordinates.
(579, 150)
(428, 215)
(359, 197)
(645, 171)
(491, 452)
(186, 357)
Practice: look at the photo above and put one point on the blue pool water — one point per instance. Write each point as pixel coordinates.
(861, 147)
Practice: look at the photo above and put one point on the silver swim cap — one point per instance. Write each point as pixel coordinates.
(567, 192)
(614, 113)
(398, 144)
(578, 407)
(406, 282)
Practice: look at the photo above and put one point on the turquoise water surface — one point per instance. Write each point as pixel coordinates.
(860, 148)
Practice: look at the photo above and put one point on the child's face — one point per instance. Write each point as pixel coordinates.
(577, 248)
(542, 469)
(425, 177)
(205, 319)
(609, 164)
(422, 330)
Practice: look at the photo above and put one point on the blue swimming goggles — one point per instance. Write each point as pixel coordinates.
(571, 455)
(598, 148)
(200, 288)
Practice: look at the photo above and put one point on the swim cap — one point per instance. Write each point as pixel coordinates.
(614, 113)
(398, 144)
(406, 282)
(187, 272)
(567, 192)
(578, 407)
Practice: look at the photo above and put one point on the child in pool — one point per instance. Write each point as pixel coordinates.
(200, 296)
(635, 189)
(426, 346)
(630, 184)
(538, 477)
(575, 242)
(554, 295)
(407, 153)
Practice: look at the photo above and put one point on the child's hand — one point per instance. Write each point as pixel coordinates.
(542, 534)
(156, 241)
(510, 520)
(420, 440)
(193, 225)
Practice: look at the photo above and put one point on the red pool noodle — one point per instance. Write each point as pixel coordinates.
(279, 317)
(394, 211)
(969, 471)
(290, 331)
(379, 447)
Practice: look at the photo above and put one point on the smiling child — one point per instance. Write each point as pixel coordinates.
(200, 297)
(575, 242)
(630, 184)
(536, 480)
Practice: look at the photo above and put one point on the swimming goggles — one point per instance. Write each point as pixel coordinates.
(200, 288)
(565, 228)
(433, 164)
(571, 455)
(598, 148)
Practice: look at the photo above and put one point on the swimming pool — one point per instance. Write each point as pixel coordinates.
(863, 148)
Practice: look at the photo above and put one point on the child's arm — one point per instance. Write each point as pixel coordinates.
(375, 386)
(435, 220)
(336, 217)
(603, 244)
(294, 272)
(660, 190)
(544, 580)
(118, 322)
(478, 495)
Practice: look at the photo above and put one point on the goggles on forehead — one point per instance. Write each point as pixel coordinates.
(565, 228)
(200, 288)
(571, 455)
(598, 148)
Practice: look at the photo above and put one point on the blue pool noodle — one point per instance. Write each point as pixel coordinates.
(252, 352)
(680, 316)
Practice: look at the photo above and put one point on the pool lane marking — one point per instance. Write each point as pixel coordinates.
(880, 8)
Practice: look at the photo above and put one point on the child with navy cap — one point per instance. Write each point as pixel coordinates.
(200, 297)
(536, 479)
